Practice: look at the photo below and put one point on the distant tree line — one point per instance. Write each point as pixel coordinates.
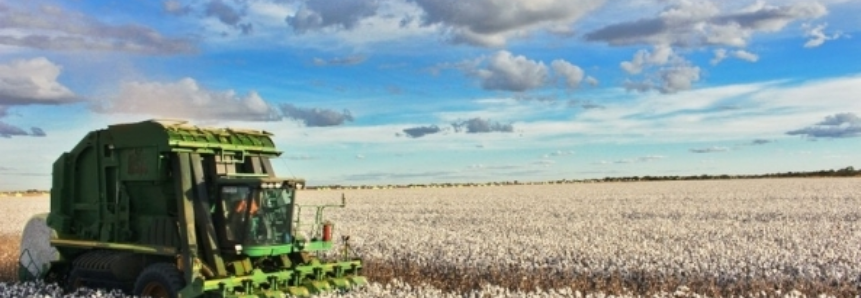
(844, 172)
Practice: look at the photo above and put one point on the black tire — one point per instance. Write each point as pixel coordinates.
(73, 282)
(160, 280)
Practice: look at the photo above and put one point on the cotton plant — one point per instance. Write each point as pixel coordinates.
(671, 238)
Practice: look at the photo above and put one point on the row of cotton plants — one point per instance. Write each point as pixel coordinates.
(17, 211)
(715, 237)
(743, 238)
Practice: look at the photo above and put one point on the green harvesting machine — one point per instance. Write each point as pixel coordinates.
(162, 208)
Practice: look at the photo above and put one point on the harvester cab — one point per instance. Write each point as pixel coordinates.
(166, 209)
(259, 217)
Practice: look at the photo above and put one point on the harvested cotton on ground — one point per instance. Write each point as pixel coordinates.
(36, 251)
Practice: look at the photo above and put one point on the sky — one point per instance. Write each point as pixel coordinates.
(373, 92)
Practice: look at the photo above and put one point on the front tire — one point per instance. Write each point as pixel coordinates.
(73, 281)
(161, 280)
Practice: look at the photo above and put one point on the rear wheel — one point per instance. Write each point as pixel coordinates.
(161, 280)
(74, 281)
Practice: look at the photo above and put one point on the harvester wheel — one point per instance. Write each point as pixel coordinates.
(161, 280)
(73, 281)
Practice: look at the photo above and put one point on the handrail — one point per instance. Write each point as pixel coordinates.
(316, 226)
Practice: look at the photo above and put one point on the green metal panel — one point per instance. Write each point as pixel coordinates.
(167, 135)
(203, 217)
(140, 163)
(185, 209)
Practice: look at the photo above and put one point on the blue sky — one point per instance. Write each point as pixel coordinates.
(425, 91)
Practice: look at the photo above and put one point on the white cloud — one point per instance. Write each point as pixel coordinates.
(679, 78)
(765, 110)
(186, 99)
(664, 71)
(32, 81)
(817, 36)
(319, 14)
(508, 72)
(493, 23)
(695, 23)
(841, 125)
(746, 56)
(643, 58)
(52, 28)
(571, 74)
(720, 55)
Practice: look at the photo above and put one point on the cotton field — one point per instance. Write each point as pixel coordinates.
(710, 237)
(751, 238)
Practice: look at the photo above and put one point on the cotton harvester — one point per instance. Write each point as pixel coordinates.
(161, 208)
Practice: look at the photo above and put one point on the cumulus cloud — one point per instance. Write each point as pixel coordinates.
(761, 142)
(227, 15)
(52, 28)
(186, 99)
(712, 149)
(321, 14)
(316, 116)
(570, 74)
(420, 131)
(508, 72)
(643, 58)
(662, 69)
(678, 78)
(30, 82)
(478, 125)
(842, 125)
(694, 23)
(350, 60)
(670, 78)
(493, 23)
(816, 35)
(33, 81)
(517, 73)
